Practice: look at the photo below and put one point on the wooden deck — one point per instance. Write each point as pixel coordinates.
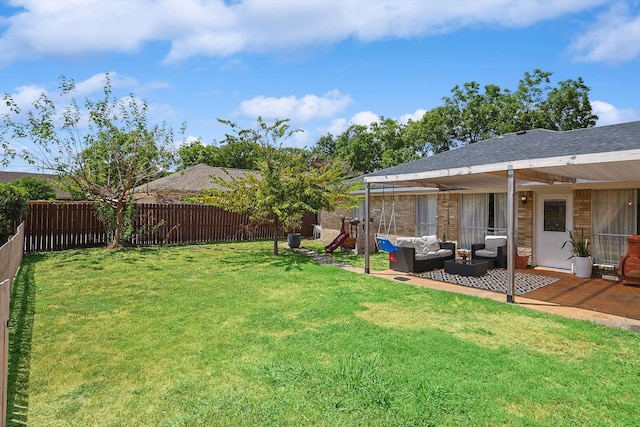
(597, 295)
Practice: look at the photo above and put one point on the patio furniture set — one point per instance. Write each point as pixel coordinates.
(419, 254)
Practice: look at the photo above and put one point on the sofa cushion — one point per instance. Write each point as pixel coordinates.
(406, 242)
(428, 255)
(491, 243)
(486, 253)
(445, 252)
(432, 244)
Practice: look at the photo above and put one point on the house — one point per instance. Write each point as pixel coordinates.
(542, 182)
(6, 177)
(189, 182)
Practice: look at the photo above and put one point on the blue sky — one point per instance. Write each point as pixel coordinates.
(323, 64)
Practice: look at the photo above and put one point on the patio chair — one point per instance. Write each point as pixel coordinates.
(493, 250)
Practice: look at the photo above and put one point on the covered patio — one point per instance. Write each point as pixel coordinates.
(526, 161)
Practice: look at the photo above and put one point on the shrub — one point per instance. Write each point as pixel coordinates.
(13, 206)
(35, 188)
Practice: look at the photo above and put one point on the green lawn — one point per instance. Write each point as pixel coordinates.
(228, 335)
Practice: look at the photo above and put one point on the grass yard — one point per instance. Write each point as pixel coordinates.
(228, 335)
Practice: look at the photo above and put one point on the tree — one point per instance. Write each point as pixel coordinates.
(102, 150)
(359, 148)
(35, 188)
(472, 114)
(13, 206)
(284, 186)
(195, 153)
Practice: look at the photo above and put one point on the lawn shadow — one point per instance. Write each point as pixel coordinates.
(23, 302)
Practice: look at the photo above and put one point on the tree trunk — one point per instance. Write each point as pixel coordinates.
(117, 233)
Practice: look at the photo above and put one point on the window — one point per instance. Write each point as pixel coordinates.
(481, 215)
(426, 215)
(615, 216)
(555, 215)
(358, 212)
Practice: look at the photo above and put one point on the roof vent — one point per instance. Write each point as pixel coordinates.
(521, 132)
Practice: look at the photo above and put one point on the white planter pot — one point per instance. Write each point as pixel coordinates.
(584, 265)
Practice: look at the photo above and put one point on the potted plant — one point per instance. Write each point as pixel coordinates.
(580, 254)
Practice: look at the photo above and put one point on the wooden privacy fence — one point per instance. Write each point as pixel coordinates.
(59, 226)
(10, 259)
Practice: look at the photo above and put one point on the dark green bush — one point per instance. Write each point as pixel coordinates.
(13, 206)
(35, 188)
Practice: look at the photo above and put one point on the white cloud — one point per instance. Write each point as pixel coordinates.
(608, 114)
(217, 28)
(414, 117)
(95, 84)
(364, 118)
(336, 127)
(613, 39)
(302, 110)
(24, 96)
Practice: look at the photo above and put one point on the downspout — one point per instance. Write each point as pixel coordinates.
(511, 241)
(367, 225)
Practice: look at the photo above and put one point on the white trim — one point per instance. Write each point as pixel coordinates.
(579, 159)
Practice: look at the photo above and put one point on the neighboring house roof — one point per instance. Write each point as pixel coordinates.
(606, 153)
(6, 177)
(191, 180)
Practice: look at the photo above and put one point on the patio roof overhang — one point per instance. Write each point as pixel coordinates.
(616, 166)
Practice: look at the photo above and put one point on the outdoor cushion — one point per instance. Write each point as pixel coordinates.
(445, 252)
(491, 243)
(405, 242)
(432, 243)
(428, 255)
(440, 253)
(486, 253)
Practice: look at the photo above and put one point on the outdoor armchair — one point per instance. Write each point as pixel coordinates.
(494, 249)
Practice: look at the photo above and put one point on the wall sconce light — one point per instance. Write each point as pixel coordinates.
(523, 198)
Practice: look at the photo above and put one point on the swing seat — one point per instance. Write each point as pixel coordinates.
(385, 245)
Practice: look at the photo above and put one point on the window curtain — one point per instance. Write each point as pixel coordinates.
(500, 214)
(426, 209)
(614, 218)
(474, 219)
(358, 212)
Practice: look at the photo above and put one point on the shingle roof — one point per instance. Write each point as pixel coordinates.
(532, 144)
(192, 179)
(9, 176)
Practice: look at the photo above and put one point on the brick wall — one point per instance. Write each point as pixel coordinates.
(448, 215)
(525, 223)
(582, 212)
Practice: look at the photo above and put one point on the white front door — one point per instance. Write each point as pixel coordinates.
(554, 216)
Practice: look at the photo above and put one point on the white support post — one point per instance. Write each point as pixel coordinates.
(367, 225)
(511, 241)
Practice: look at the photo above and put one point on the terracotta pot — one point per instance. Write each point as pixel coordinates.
(521, 261)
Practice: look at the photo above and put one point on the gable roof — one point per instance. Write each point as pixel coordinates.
(191, 180)
(607, 153)
(8, 176)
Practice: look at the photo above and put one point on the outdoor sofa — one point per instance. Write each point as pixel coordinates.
(418, 254)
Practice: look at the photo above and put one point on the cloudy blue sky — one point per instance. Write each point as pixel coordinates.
(322, 64)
